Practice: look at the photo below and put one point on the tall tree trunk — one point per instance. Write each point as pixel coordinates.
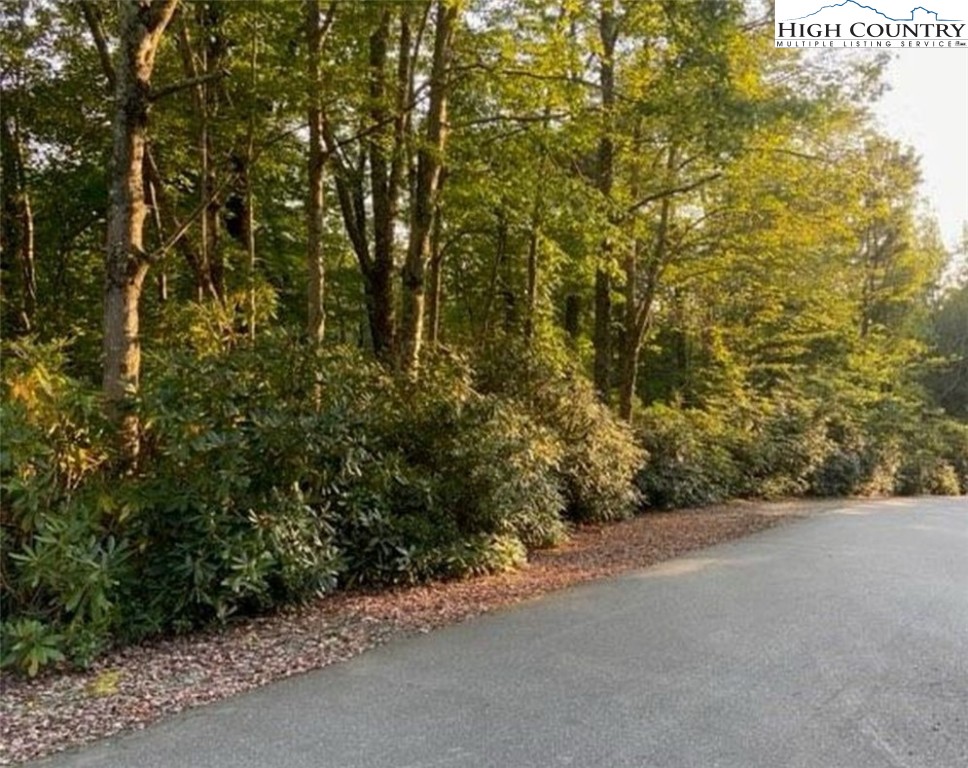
(532, 288)
(250, 191)
(608, 32)
(152, 174)
(17, 229)
(602, 335)
(628, 362)
(377, 277)
(436, 282)
(429, 164)
(315, 316)
(497, 282)
(126, 264)
(384, 194)
(152, 202)
(213, 54)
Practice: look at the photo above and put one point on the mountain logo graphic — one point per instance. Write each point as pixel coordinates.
(860, 6)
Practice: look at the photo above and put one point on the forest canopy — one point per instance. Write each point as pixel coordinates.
(298, 295)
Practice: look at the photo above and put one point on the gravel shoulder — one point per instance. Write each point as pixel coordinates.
(135, 686)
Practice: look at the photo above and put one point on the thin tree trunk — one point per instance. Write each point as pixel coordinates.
(315, 316)
(152, 200)
(17, 229)
(572, 317)
(429, 165)
(629, 351)
(436, 282)
(500, 256)
(250, 194)
(631, 338)
(532, 288)
(608, 31)
(213, 53)
(379, 282)
(377, 279)
(126, 264)
(209, 278)
(602, 336)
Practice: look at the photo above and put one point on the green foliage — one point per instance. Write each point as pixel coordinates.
(954, 442)
(268, 474)
(934, 459)
(244, 450)
(689, 462)
(484, 553)
(763, 243)
(456, 466)
(863, 450)
(754, 447)
(783, 444)
(599, 456)
(29, 645)
(61, 556)
(794, 444)
(947, 378)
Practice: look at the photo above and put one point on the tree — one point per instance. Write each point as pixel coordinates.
(17, 261)
(608, 30)
(126, 261)
(423, 205)
(375, 170)
(316, 29)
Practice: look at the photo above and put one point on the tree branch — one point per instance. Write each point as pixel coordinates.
(92, 15)
(328, 20)
(180, 232)
(191, 82)
(672, 191)
(544, 117)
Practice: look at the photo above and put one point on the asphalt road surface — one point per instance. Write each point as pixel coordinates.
(836, 642)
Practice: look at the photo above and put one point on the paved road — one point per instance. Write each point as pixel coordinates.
(836, 642)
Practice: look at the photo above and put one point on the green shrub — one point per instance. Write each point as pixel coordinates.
(63, 553)
(689, 462)
(926, 474)
(841, 473)
(29, 644)
(244, 454)
(930, 451)
(942, 480)
(600, 457)
(953, 437)
(457, 467)
(856, 463)
(782, 445)
(481, 554)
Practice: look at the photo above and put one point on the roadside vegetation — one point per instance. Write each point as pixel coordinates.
(308, 296)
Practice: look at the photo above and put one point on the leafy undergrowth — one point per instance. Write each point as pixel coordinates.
(137, 685)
